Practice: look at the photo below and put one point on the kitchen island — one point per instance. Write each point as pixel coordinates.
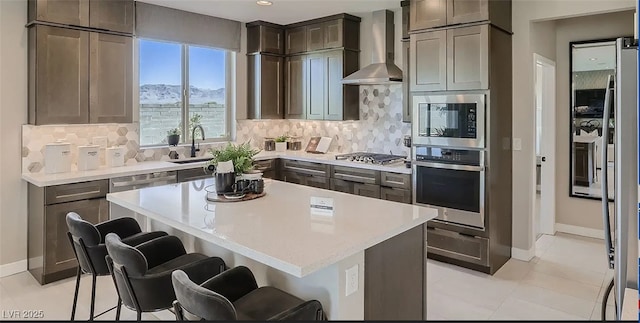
(366, 260)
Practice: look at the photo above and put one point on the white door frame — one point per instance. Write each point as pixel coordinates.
(547, 213)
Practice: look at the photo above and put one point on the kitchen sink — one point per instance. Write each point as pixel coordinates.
(189, 161)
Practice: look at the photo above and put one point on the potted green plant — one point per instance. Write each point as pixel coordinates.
(281, 143)
(173, 137)
(241, 156)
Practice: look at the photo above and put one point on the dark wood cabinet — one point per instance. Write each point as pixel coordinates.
(352, 180)
(264, 37)
(395, 195)
(465, 11)
(426, 14)
(59, 255)
(296, 40)
(265, 90)
(452, 59)
(315, 37)
(367, 190)
(49, 251)
(110, 79)
(312, 87)
(428, 61)
(468, 58)
(58, 76)
(68, 12)
(316, 93)
(328, 98)
(114, 15)
(78, 77)
(406, 92)
(296, 87)
(111, 15)
(333, 33)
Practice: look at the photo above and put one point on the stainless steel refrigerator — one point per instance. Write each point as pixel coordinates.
(621, 222)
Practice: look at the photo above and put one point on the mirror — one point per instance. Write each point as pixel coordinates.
(592, 62)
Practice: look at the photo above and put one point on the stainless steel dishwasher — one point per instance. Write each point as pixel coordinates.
(127, 183)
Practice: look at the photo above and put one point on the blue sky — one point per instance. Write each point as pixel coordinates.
(160, 63)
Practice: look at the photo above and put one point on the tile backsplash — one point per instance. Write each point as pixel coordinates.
(380, 129)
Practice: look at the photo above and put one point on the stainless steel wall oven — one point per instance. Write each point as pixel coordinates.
(453, 181)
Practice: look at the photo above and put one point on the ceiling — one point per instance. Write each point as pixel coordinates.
(594, 58)
(281, 12)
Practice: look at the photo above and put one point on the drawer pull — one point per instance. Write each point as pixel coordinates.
(355, 178)
(300, 169)
(77, 194)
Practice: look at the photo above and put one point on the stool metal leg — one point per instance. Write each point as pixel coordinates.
(139, 316)
(93, 296)
(118, 308)
(75, 295)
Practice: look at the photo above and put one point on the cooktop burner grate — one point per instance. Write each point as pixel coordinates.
(371, 158)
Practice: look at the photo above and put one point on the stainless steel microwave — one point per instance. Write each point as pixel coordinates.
(449, 120)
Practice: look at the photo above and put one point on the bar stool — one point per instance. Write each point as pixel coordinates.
(87, 241)
(234, 295)
(143, 273)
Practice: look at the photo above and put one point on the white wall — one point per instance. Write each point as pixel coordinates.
(570, 210)
(13, 113)
(526, 12)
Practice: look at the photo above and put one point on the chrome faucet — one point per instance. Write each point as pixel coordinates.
(193, 140)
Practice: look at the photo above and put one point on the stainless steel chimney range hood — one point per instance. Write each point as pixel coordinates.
(382, 70)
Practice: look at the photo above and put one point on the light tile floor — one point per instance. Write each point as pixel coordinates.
(565, 281)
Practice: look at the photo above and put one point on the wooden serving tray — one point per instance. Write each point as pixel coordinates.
(212, 197)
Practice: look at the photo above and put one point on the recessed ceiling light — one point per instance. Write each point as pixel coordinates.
(264, 3)
(593, 59)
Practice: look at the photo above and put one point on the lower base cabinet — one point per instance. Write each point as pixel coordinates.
(49, 252)
(362, 182)
(395, 194)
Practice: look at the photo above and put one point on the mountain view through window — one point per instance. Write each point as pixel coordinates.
(166, 70)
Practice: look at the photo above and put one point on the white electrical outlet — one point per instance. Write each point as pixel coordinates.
(351, 280)
(517, 144)
(100, 141)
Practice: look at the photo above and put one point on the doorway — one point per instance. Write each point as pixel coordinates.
(545, 136)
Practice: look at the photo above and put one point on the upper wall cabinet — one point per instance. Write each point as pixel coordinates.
(426, 14)
(58, 75)
(452, 59)
(79, 77)
(110, 78)
(339, 31)
(112, 15)
(265, 86)
(69, 12)
(264, 37)
(296, 40)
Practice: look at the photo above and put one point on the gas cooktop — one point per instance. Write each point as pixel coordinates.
(371, 158)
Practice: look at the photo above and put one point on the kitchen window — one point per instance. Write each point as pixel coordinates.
(182, 86)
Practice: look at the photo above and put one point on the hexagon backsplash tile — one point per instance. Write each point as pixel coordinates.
(34, 138)
(380, 128)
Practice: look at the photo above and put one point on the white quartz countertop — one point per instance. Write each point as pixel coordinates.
(278, 229)
(42, 179)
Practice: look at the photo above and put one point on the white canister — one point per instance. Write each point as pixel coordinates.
(88, 157)
(57, 157)
(114, 157)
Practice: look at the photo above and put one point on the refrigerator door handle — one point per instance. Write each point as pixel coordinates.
(608, 96)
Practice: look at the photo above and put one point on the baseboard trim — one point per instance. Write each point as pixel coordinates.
(13, 268)
(522, 254)
(580, 231)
